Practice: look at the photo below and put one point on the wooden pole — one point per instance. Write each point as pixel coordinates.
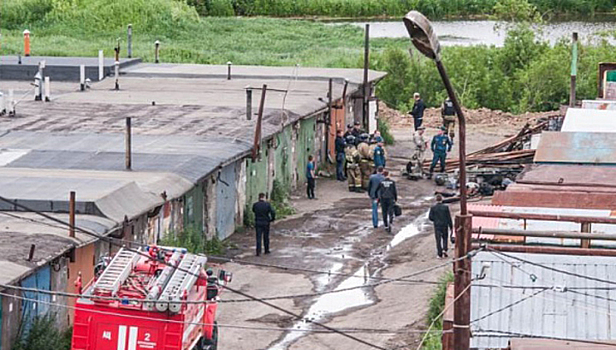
(128, 155)
(71, 214)
(365, 121)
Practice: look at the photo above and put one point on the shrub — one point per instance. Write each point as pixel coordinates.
(44, 334)
(194, 241)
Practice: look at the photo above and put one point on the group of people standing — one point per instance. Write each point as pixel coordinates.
(441, 143)
(358, 154)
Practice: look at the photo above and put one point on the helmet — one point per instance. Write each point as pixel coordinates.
(350, 140)
(364, 137)
(349, 126)
(440, 179)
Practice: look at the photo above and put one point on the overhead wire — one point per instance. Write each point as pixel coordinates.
(146, 318)
(236, 291)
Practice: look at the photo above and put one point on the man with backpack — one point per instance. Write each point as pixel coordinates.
(448, 113)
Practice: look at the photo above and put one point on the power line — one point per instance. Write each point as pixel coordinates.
(108, 313)
(552, 268)
(507, 334)
(245, 295)
(509, 305)
(245, 262)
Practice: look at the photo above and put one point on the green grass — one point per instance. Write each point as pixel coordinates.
(437, 303)
(44, 334)
(195, 242)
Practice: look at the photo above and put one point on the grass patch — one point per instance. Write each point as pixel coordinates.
(386, 134)
(437, 304)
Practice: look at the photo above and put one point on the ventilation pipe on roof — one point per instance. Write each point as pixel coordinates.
(248, 102)
(31, 253)
(71, 214)
(101, 65)
(229, 70)
(128, 144)
(38, 82)
(129, 40)
(156, 51)
(11, 104)
(117, 75)
(82, 77)
(47, 89)
(2, 108)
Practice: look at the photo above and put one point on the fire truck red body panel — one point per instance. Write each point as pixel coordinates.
(128, 317)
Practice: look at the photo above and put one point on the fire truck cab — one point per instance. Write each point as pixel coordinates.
(159, 298)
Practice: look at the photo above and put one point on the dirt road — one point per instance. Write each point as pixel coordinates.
(334, 233)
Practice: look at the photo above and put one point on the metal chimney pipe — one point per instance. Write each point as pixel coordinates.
(71, 214)
(128, 144)
(31, 254)
(82, 77)
(117, 75)
(47, 89)
(229, 70)
(101, 65)
(248, 103)
(156, 51)
(129, 41)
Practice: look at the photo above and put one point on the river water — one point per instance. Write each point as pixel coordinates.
(467, 33)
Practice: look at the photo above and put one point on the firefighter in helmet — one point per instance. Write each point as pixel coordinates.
(448, 112)
(365, 163)
(352, 164)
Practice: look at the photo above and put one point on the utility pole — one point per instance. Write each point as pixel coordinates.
(574, 56)
(329, 119)
(366, 87)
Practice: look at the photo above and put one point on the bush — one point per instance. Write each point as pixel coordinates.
(194, 241)
(383, 127)
(44, 334)
(279, 200)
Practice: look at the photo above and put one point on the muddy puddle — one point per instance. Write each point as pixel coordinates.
(333, 303)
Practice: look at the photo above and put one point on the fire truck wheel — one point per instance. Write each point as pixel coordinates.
(210, 344)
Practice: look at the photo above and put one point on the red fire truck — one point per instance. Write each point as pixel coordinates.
(165, 300)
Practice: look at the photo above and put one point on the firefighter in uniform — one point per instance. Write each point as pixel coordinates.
(421, 145)
(365, 163)
(352, 164)
(448, 113)
(441, 144)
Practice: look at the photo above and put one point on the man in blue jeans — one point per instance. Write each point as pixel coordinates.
(373, 185)
(340, 146)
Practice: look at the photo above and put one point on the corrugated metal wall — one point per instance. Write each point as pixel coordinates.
(11, 312)
(305, 147)
(193, 208)
(225, 201)
(35, 304)
(256, 177)
(283, 157)
(59, 281)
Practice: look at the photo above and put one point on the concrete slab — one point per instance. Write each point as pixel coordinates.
(57, 68)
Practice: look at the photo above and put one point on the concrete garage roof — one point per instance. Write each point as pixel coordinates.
(502, 302)
(355, 76)
(20, 230)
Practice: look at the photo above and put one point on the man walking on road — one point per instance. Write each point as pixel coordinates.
(441, 144)
(340, 145)
(373, 185)
(264, 214)
(441, 217)
(418, 110)
(379, 155)
(388, 196)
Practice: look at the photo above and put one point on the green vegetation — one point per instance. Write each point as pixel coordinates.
(383, 127)
(379, 8)
(194, 241)
(279, 201)
(437, 303)
(44, 334)
(524, 75)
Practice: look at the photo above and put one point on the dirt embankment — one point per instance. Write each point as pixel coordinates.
(481, 117)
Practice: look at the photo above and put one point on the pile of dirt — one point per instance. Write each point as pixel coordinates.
(481, 116)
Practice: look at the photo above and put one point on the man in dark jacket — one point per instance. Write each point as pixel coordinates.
(441, 217)
(388, 196)
(418, 110)
(340, 145)
(264, 214)
(373, 185)
(441, 144)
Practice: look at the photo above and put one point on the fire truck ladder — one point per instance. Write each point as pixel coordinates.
(183, 279)
(116, 273)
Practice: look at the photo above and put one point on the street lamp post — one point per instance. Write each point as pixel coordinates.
(425, 40)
